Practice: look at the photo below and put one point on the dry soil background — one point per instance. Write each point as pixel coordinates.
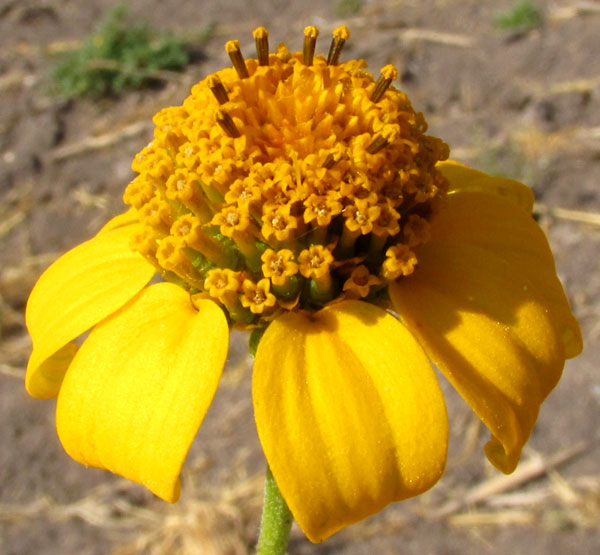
(524, 103)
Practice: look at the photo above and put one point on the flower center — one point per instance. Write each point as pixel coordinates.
(277, 266)
(287, 181)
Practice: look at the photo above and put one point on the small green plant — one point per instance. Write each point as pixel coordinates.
(348, 8)
(120, 54)
(522, 15)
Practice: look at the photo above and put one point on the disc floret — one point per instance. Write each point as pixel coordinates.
(287, 182)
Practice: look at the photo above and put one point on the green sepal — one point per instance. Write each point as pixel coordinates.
(255, 337)
(289, 291)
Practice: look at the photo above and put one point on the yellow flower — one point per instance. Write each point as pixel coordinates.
(296, 191)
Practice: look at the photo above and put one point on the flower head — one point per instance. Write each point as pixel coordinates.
(295, 191)
(296, 153)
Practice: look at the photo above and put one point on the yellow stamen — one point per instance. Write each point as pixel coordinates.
(232, 47)
(261, 36)
(310, 40)
(388, 135)
(216, 87)
(378, 143)
(333, 157)
(340, 36)
(227, 124)
(330, 161)
(388, 74)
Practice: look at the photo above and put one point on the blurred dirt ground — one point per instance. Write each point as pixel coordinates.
(523, 103)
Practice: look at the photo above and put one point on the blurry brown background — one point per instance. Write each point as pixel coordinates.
(522, 102)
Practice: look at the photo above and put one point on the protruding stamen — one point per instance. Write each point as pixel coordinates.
(388, 135)
(216, 87)
(388, 74)
(340, 36)
(337, 153)
(232, 47)
(331, 160)
(261, 36)
(378, 143)
(227, 124)
(310, 40)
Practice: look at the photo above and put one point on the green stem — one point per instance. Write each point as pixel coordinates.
(276, 521)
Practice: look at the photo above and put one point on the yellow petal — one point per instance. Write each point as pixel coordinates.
(493, 224)
(465, 179)
(140, 385)
(126, 218)
(77, 291)
(46, 380)
(479, 319)
(349, 414)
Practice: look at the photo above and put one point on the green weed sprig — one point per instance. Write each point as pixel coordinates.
(120, 54)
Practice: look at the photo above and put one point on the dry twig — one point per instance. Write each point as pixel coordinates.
(12, 371)
(101, 141)
(527, 471)
(580, 216)
(574, 10)
(431, 35)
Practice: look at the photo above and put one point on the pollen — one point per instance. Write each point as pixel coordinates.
(287, 181)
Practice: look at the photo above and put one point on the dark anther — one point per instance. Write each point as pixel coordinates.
(232, 48)
(261, 36)
(310, 40)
